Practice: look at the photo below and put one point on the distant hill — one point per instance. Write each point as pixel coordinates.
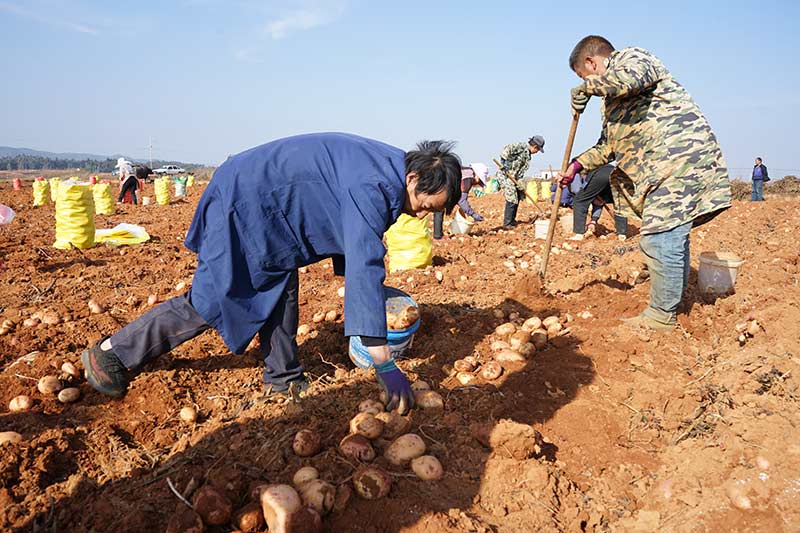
(8, 151)
(29, 159)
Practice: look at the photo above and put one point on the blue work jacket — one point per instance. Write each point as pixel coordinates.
(287, 204)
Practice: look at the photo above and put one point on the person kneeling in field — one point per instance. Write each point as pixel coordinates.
(670, 170)
(267, 212)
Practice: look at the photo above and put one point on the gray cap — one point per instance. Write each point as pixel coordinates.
(537, 140)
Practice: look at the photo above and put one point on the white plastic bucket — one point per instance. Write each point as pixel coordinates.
(460, 225)
(180, 189)
(540, 229)
(145, 200)
(718, 272)
(566, 222)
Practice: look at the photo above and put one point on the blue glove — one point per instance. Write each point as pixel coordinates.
(477, 218)
(395, 387)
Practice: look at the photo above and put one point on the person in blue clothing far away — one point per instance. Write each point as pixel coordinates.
(759, 178)
(267, 212)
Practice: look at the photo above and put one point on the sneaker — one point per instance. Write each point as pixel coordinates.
(644, 321)
(294, 391)
(104, 371)
(576, 237)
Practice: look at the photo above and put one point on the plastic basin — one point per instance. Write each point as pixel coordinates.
(718, 271)
(460, 225)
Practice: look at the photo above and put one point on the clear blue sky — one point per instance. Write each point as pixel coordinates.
(208, 78)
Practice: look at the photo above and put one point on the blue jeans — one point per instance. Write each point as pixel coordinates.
(667, 258)
(758, 191)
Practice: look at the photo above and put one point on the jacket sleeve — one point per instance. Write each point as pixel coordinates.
(598, 155)
(365, 217)
(632, 72)
(766, 174)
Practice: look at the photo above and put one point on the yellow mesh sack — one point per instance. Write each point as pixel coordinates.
(162, 191)
(190, 180)
(41, 192)
(103, 201)
(74, 216)
(54, 188)
(409, 244)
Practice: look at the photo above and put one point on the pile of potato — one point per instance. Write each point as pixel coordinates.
(63, 385)
(406, 318)
(748, 329)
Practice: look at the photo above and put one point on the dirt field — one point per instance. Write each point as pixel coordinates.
(679, 431)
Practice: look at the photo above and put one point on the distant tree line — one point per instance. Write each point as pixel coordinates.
(34, 162)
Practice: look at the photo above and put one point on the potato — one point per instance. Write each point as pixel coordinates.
(357, 447)
(331, 315)
(539, 338)
(180, 286)
(509, 356)
(212, 505)
(585, 315)
(9, 437)
(49, 385)
(7, 326)
(518, 339)
(370, 406)
(527, 349)
(305, 474)
(31, 322)
(371, 482)
(427, 468)
(753, 328)
(279, 503)
(406, 318)
(404, 448)
(549, 321)
(69, 395)
(420, 385)
(439, 276)
(188, 414)
(532, 324)
(343, 493)
(473, 360)
(496, 346)
(318, 317)
(303, 330)
(554, 329)
(393, 424)
(95, 308)
(306, 443)
(50, 319)
(506, 329)
(340, 292)
(71, 370)
(152, 299)
(249, 518)
(318, 494)
(499, 313)
(462, 365)
(428, 399)
(491, 371)
(465, 378)
(20, 403)
(367, 425)
(568, 317)
(185, 520)
(390, 320)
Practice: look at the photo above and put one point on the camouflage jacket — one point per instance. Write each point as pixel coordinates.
(670, 168)
(516, 158)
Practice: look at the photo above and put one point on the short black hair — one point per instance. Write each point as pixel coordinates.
(437, 168)
(759, 159)
(591, 45)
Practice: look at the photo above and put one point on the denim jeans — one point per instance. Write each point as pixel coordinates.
(667, 258)
(170, 324)
(758, 191)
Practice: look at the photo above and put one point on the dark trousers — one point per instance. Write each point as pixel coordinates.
(757, 194)
(510, 214)
(438, 223)
(170, 324)
(130, 184)
(597, 186)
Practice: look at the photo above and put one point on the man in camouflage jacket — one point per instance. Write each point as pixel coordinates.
(516, 158)
(670, 170)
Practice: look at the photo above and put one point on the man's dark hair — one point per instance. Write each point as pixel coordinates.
(437, 168)
(759, 159)
(591, 45)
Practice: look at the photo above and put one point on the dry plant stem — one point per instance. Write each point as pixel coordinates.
(178, 494)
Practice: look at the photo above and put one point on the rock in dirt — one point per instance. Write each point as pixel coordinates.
(507, 436)
(212, 505)
(184, 520)
(9, 437)
(249, 518)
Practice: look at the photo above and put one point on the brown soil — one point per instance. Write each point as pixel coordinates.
(606, 428)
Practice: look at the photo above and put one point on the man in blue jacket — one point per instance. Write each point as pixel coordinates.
(269, 211)
(760, 177)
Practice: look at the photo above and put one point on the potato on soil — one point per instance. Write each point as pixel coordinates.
(49, 385)
(367, 425)
(370, 406)
(499, 313)
(9, 437)
(94, 307)
(428, 399)
(51, 319)
(331, 315)
(462, 365)
(496, 346)
(306, 443)
(20, 403)
(152, 299)
(371, 482)
(527, 349)
(318, 494)
(71, 370)
(212, 505)
(518, 339)
(31, 322)
(539, 338)
(69, 395)
(318, 317)
(185, 520)
(340, 292)
(406, 318)
(554, 329)
(343, 494)
(188, 414)
(405, 448)
(465, 378)
(509, 356)
(303, 330)
(549, 321)
(393, 424)
(357, 447)
(532, 324)
(506, 329)
(279, 503)
(249, 518)
(491, 371)
(420, 385)
(305, 474)
(427, 468)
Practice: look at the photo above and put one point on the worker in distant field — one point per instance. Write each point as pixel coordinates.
(127, 180)
(265, 213)
(670, 171)
(475, 175)
(515, 159)
(759, 178)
